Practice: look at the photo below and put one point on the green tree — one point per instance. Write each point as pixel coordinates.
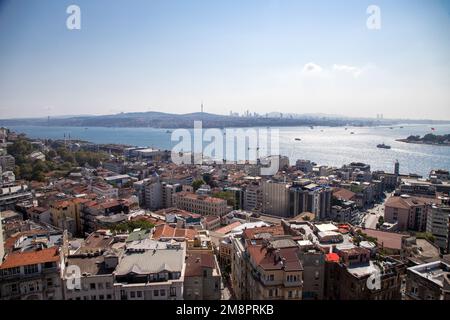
(197, 184)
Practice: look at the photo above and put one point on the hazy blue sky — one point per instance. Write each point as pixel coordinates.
(262, 55)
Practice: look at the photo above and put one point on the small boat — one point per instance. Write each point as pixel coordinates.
(383, 146)
(168, 131)
(401, 127)
(352, 132)
(311, 127)
(346, 128)
(391, 128)
(298, 139)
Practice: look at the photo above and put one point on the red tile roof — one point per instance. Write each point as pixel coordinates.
(284, 258)
(32, 257)
(344, 194)
(166, 231)
(196, 262)
(254, 233)
(228, 228)
(386, 239)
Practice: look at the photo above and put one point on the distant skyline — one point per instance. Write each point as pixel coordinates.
(264, 56)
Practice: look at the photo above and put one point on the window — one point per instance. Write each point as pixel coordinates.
(162, 292)
(49, 282)
(155, 293)
(14, 288)
(139, 294)
(289, 294)
(205, 273)
(270, 293)
(132, 294)
(31, 287)
(100, 285)
(108, 296)
(102, 297)
(108, 285)
(173, 291)
(93, 297)
(414, 290)
(92, 286)
(271, 277)
(30, 269)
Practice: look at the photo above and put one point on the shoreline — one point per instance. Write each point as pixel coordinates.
(423, 143)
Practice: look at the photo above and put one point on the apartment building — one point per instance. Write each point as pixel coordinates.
(351, 275)
(153, 194)
(429, 281)
(202, 279)
(438, 224)
(305, 196)
(274, 273)
(31, 275)
(105, 190)
(13, 193)
(313, 262)
(96, 276)
(409, 213)
(168, 190)
(265, 264)
(155, 274)
(275, 199)
(2, 244)
(7, 162)
(252, 197)
(200, 204)
(66, 215)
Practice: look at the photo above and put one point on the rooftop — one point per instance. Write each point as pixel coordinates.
(151, 261)
(33, 257)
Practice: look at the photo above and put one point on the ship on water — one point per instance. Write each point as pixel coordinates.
(383, 146)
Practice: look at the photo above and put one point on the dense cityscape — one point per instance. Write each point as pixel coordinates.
(85, 221)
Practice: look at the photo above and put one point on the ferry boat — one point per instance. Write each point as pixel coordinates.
(383, 146)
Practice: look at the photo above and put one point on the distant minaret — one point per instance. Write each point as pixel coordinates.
(202, 107)
(397, 168)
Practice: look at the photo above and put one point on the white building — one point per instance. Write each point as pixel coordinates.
(438, 224)
(156, 274)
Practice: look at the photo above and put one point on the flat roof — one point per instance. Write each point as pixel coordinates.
(326, 227)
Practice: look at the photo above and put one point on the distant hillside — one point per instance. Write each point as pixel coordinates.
(166, 120)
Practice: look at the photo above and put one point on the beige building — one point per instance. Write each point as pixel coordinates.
(275, 274)
(31, 275)
(202, 279)
(200, 204)
(410, 213)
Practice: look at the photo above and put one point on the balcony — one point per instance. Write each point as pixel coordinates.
(289, 284)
